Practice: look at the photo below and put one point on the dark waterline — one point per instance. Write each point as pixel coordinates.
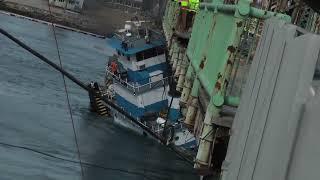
(34, 114)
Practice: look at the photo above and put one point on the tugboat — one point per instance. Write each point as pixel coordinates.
(138, 80)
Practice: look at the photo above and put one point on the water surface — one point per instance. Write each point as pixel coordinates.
(34, 114)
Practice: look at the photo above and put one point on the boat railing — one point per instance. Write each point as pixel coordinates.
(138, 89)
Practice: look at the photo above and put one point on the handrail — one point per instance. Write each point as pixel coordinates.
(119, 79)
(109, 103)
(254, 12)
(140, 88)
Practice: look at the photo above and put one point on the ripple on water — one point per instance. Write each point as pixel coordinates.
(34, 113)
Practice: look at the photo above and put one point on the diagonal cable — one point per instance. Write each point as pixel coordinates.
(67, 94)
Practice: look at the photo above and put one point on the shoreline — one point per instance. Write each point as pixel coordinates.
(50, 23)
(91, 20)
(36, 13)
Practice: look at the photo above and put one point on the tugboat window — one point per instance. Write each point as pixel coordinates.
(160, 50)
(149, 53)
(124, 45)
(139, 56)
(142, 32)
(142, 67)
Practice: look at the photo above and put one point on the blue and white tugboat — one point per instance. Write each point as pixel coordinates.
(138, 81)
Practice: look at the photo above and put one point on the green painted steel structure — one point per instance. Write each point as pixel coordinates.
(170, 18)
(211, 51)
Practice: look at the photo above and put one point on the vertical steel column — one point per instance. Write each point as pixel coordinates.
(182, 73)
(187, 89)
(192, 104)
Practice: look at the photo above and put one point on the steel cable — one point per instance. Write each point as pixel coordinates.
(82, 85)
(76, 162)
(65, 73)
(67, 94)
